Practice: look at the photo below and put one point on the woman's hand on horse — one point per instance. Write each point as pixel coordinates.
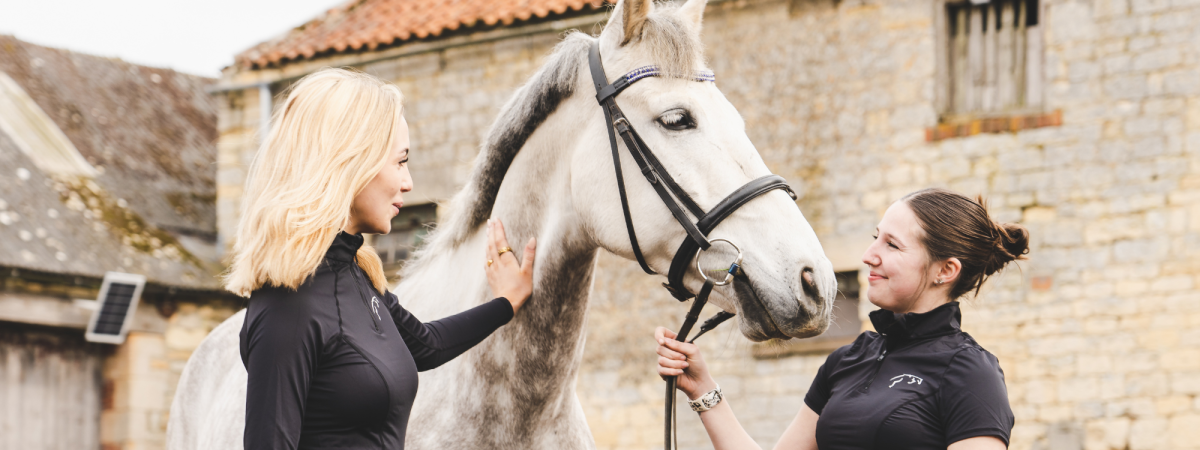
(683, 361)
(508, 277)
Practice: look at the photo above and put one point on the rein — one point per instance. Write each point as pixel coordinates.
(673, 196)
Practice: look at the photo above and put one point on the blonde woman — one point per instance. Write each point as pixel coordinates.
(331, 355)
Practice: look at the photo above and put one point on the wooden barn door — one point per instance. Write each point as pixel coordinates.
(50, 389)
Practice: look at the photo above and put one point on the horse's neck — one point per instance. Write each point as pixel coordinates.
(531, 362)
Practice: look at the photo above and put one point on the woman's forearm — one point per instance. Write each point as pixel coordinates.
(724, 429)
(435, 343)
(802, 433)
(683, 361)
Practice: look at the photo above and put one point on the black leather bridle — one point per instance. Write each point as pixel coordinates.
(665, 186)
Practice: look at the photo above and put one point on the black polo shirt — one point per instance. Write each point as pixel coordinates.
(919, 383)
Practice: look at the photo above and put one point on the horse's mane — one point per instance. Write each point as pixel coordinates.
(518, 119)
(674, 46)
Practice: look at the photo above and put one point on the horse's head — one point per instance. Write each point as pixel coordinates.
(788, 285)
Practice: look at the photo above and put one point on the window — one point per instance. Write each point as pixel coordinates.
(990, 58)
(846, 325)
(409, 229)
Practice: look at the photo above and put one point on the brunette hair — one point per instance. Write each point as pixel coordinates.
(956, 226)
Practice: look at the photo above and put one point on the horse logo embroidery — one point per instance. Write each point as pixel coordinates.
(912, 379)
(375, 307)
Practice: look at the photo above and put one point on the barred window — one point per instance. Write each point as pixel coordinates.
(990, 62)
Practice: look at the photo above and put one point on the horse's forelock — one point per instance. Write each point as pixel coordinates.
(671, 43)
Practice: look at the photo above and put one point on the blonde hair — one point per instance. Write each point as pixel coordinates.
(327, 141)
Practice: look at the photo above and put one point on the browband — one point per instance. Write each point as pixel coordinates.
(644, 72)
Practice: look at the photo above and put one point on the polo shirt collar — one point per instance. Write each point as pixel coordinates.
(940, 321)
(345, 246)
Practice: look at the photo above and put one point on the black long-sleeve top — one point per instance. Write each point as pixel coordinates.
(919, 383)
(334, 363)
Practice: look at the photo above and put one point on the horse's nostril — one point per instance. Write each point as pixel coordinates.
(809, 282)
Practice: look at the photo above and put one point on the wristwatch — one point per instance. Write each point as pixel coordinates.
(707, 401)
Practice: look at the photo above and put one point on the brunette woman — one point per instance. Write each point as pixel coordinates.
(918, 381)
(331, 355)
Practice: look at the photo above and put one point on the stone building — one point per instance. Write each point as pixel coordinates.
(1077, 118)
(104, 166)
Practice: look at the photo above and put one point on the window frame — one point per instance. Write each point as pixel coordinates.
(392, 265)
(1034, 85)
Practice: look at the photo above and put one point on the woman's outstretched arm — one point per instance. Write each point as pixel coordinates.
(435, 343)
(683, 360)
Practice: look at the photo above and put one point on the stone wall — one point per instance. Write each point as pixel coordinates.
(142, 374)
(1098, 333)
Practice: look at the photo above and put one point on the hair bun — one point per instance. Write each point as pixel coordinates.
(955, 226)
(1012, 243)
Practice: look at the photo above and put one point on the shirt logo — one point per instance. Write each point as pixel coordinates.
(912, 379)
(375, 307)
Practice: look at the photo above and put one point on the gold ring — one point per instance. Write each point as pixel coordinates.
(489, 263)
(503, 250)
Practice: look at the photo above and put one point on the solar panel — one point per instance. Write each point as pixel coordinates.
(119, 295)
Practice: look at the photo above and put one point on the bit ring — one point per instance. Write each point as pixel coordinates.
(733, 268)
(489, 263)
(503, 251)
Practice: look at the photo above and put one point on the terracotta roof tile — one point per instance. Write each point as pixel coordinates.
(370, 24)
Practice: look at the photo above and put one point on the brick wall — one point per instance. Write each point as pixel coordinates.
(1098, 333)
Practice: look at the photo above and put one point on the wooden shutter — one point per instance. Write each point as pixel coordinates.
(990, 61)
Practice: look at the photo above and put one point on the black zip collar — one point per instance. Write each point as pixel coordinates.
(899, 328)
(345, 246)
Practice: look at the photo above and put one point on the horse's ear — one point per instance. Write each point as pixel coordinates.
(628, 17)
(693, 11)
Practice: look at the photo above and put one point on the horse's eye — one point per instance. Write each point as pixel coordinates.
(677, 120)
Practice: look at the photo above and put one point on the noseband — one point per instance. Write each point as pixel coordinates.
(672, 195)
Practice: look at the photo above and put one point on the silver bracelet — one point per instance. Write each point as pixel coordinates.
(707, 401)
